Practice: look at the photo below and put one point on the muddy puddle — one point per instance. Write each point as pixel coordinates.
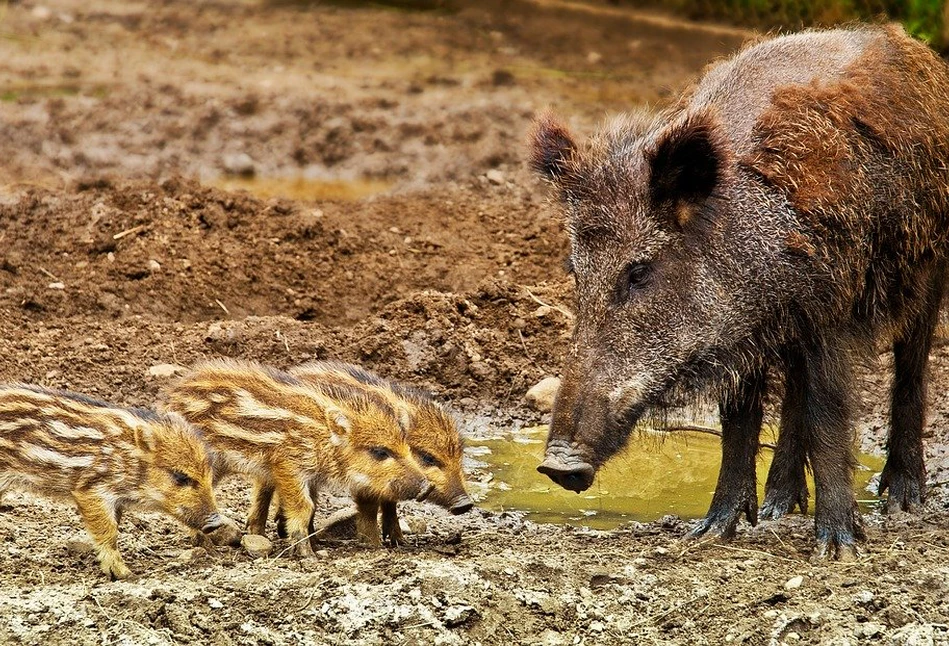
(657, 474)
(303, 188)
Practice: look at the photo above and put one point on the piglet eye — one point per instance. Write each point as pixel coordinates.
(182, 479)
(380, 453)
(427, 459)
(634, 278)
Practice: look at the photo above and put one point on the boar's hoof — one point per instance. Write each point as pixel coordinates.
(576, 477)
(425, 492)
(462, 505)
(905, 491)
(778, 502)
(831, 549)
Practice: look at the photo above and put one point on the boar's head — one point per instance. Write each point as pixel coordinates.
(438, 448)
(372, 449)
(178, 476)
(656, 262)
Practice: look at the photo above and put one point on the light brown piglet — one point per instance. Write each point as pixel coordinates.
(291, 439)
(106, 459)
(431, 432)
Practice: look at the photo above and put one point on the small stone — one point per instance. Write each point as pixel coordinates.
(239, 164)
(792, 636)
(41, 13)
(594, 57)
(597, 626)
(52, 374)
(660, 551)
(495, 176)
(794, 583)
(867, 630)
(57, 285)
(165, 370)
(458, 615)
(154, 266)
(322, 554)
(256, 546)
(192, 555)
(542, 395)
(863, 598)
(215, 603)
(543, 311)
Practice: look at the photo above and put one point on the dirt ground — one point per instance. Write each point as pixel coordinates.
(119, 252)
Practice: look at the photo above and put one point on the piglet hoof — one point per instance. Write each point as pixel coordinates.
(905, 491)
(393, 536)
(781, 501)
(116, 570)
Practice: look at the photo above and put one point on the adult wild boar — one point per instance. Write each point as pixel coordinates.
(788, 212)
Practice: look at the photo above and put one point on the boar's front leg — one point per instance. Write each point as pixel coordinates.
(297, 505)
(905, 473)
(829, 440)
(367, 523)
(786, 487)
(741, 414)
(391, 531)
(261, 495)
(103, 525)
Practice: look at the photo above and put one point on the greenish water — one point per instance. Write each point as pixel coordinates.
(657, 474)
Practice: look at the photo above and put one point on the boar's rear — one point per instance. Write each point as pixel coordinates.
(787, 213)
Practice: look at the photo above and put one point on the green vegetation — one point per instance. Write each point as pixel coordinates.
(925, 19)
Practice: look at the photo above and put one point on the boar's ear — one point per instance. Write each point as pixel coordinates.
(551, 148)
(687, 163)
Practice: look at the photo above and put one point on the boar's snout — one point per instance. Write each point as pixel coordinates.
(575, 477)
(461, 505)
(212, 522)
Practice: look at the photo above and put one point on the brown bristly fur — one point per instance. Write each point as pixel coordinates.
(291, 439)
(62, 445)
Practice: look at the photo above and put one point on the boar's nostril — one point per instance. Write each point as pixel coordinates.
(212, 523)
(461, 505)
(575, 478)
(426, 491)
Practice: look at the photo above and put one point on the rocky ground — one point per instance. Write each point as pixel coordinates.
(121, 254)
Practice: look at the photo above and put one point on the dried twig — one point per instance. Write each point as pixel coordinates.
(50, 274)
(128, 232)
(568, 314)
(223, 307)
(694, 428)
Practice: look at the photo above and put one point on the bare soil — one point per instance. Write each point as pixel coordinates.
(118, 253)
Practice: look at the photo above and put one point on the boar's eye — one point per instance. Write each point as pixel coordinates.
(427, 459)
(633, 279)
(380, 453)
(182, 479)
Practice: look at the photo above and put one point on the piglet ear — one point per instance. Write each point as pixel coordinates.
(339, 422)
(687, 163)
(551, 148)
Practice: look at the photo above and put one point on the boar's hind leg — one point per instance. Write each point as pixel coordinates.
(735, 494)
(905, 473)
(102, 523)
(829, 442)
(786, 487)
